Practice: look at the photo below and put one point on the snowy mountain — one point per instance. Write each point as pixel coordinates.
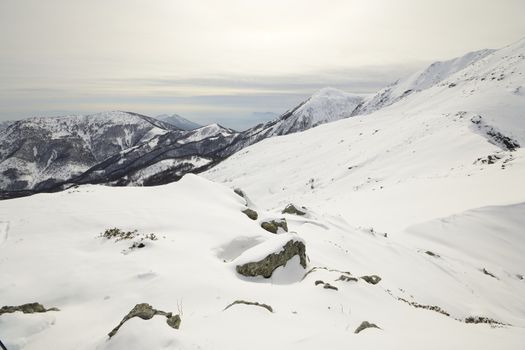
(324, 106)
(178, 121)
(122, 148)
(164, 154)
(37, 152)
(421, 80)
(463, 135)
(162, 159)
(402, 228)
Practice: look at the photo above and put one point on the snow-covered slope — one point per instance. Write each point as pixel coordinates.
(189, 268)
(37, 152)
(178, 121)
(443, 150)
(324, 106)
(421, 80)
(212, 130)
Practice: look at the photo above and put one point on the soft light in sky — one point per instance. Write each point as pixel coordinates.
(222, 60)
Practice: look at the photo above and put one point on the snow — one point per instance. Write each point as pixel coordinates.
(166, 164)
(58, 148)
(401, 193)
(327, 105)
(324, 106)
(207, 131)
(94, 284)
(421, 80)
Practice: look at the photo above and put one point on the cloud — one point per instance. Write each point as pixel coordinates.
(223, 59)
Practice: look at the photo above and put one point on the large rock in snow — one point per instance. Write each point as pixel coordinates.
(281, 255)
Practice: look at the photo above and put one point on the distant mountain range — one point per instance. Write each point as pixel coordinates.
(125, 148)
(178, 121)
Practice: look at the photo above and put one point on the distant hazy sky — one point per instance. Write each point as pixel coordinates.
(212, 60)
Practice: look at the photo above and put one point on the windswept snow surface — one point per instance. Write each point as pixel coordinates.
(95, 281)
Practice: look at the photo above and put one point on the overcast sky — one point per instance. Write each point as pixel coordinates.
(213, 60)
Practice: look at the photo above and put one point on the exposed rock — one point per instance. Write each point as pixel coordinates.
(236, 302)
(291, 209)
(29, 308)
(273, 225)
(426, 307)
(173, 321)
(428, 252)
(364, 325)
(481, 319)
(372, 279)
(118, 234)
(346, 278)
(325, 285)
(494, 136)
(488, 273)
(266, 266)
(252, 214)
(146, 312)
(329, 286)
(239, 192)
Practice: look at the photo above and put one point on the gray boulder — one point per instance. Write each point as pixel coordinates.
(291, 209)
(273, 225)
(252, 214)
(266, 266)
(372, 279)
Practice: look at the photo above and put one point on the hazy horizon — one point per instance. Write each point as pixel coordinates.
(222, 61)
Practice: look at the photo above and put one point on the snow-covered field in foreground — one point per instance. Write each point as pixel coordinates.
(51, 252)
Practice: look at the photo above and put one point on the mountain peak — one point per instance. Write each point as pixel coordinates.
(178, 121)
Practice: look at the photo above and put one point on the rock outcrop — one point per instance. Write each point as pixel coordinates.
(291, 209)
(266, 266)
(273, 225)
(252, 214)
(364, 325)
(146, 311)
(372, 279)
(29, 308)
